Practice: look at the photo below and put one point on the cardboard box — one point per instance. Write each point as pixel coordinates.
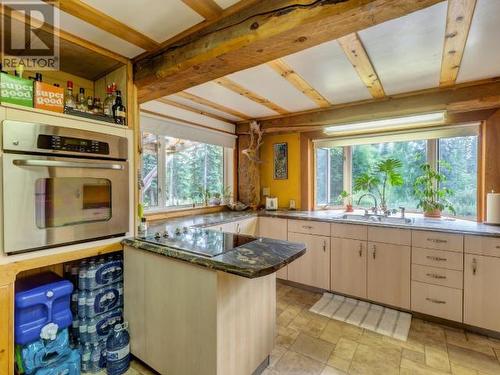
(49, 97)
(16, 90)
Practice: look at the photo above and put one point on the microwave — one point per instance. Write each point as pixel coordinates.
(62, 186)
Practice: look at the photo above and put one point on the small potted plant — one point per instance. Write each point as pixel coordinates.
(215, 200)
(346, 198)
(432, 198)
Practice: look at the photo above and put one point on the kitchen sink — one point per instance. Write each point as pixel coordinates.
(378, 219)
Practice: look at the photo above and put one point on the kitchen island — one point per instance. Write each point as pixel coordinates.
(200, 301)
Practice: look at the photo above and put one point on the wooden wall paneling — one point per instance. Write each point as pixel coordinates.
(458, 22)
(491, 155)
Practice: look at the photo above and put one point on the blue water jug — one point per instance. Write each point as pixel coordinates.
(69, 365)
(118, 350)
(43, 353)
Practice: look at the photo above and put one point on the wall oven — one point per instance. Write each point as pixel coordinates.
(61, 186)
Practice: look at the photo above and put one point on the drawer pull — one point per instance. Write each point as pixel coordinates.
(439, 302)
(307, 227)
(474, 266)
(439, 259)
(324, 246)
(437, 240)
(360, 249)
(374, 254)
(497, 246)
(435, 276)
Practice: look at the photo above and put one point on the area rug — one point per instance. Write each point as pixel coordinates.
(366, 315)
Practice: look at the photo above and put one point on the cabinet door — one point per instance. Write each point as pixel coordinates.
(481, 294)
(312, 268)
(247, 226)
(348, 266)
(276, 229)
(389, 274)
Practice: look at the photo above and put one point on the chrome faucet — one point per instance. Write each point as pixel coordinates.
(375, 208)
(402, 212)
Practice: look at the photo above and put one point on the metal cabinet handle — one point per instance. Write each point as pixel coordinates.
(439, 259)
(437, 240)
(360, 249)
(324, 246)
(436, 301)
(66, 164)
(374, 254)
(474, 266)
(435, 276)
(307, 227)
(238, 229)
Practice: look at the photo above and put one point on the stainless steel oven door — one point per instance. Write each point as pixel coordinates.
(51, 201)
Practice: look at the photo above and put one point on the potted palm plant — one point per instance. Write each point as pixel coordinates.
(376, 183)
(346, 198)
(432, 198)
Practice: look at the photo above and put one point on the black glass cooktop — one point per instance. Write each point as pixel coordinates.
(199, 241)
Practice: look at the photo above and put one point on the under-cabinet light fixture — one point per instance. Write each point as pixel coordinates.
(389, 123)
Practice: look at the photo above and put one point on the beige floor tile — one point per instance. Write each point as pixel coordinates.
(310, 323)
(335, 329)
(345, 348)
(314, 348)
(339, 363)
(332, 371)
(474, 360)
(375, 360)
(437, 359)
(297, 364)
(469, 341)
(286, 336)
(413, 355)
(270, 371)
(461, 370)
(141, 368)
(414, 368)
(276, 354)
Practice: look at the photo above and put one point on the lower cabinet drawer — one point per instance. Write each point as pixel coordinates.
(436, 300)
(437, 276)
(437, 258)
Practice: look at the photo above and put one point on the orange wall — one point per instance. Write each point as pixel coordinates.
(283, 189)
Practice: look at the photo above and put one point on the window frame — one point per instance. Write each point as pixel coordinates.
(227, 170)
(432, 156)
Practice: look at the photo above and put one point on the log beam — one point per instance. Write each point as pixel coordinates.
(265, 32)
(474, 96)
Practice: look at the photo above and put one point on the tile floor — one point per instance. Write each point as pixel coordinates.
(310, 344)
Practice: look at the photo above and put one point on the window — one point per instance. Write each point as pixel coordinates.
(179, 172)
(340, 161)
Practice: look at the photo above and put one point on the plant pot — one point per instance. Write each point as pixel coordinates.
(348, 208)
(436, 213)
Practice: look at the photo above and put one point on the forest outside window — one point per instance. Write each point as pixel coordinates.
(178, 173)
(453, 152)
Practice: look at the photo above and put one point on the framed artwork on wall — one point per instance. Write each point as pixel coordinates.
(280, 161)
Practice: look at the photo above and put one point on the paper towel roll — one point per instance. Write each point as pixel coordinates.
(493, 208)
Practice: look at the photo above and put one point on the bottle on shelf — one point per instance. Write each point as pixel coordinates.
(18, 72)
(114, 91)
(69, 100)
(1, 69)
(119, 111)
(108, 102)
(90, 104)
(81, 102)
(38, 77)
(97, 106)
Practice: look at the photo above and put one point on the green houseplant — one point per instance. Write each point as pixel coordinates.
(432, 198)
(376, 183)
(346, 198)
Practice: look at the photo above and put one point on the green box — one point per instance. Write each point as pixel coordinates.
(16, 90)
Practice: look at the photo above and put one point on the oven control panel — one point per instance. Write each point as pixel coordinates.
(56, 142)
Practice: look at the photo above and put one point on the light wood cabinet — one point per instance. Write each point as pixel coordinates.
(313, 268)
(277, 229)
(438, 240)
(309, 227)
(388, 279)
(348, 266)
(481, 293)
(247, 226)
(436, 300)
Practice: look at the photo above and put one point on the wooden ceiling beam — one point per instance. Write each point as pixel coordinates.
(458, 21)
(253, 96)
(355, 51)
(192, 109)
(208, 9)
(103, 21)
(482, 95)
(297, 81)
(211, 104)
(266, 31)
(6, 11)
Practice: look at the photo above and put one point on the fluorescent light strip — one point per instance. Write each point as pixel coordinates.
(389, 123)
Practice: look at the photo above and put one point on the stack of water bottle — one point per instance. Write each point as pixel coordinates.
(97, 308)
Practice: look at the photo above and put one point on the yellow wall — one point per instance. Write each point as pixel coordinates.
(283, 189)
